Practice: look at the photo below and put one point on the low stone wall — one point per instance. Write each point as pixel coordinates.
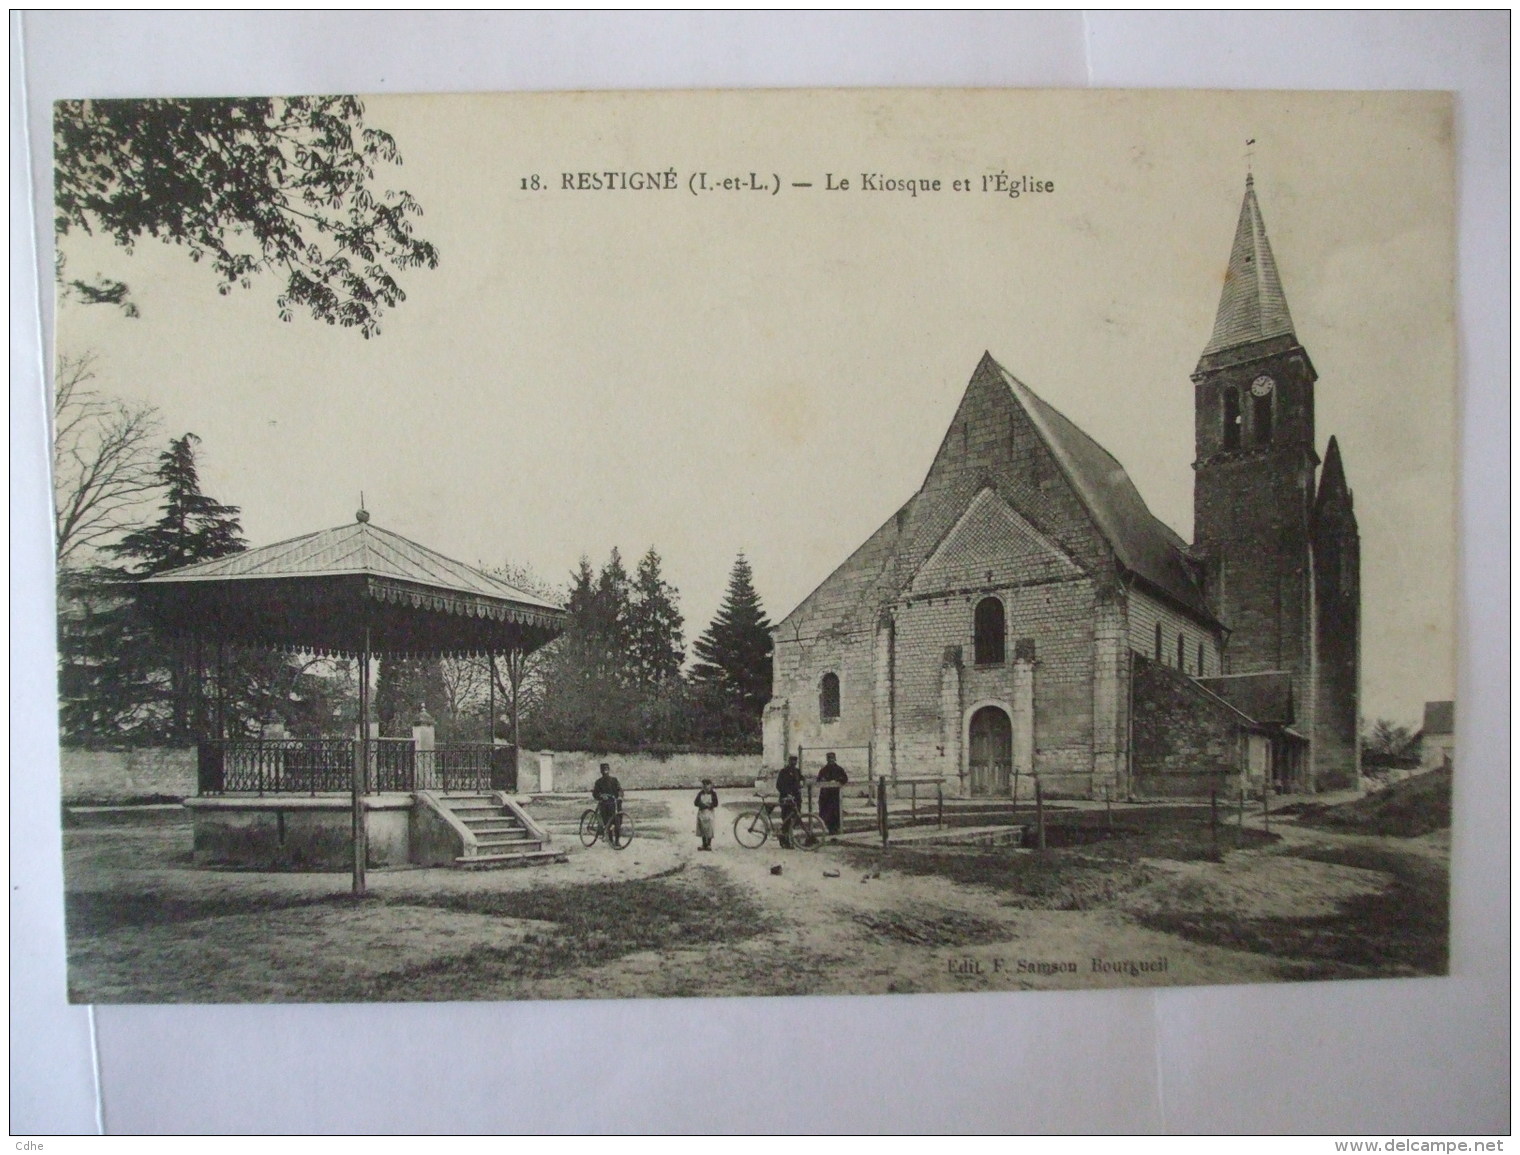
(300, 833)
(122, 775)
(575, 771)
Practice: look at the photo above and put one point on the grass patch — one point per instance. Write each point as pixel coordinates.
(592, 924)
(1054, 880)
(1407, 809)
(99, 912)
(1401, 931)
(948, 929)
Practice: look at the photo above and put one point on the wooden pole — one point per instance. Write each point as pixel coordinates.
(1214, 819)
(881, 808)
(361, 773)
(1108, 806)
(1039, 814)
(491, 717)
(1266, 807)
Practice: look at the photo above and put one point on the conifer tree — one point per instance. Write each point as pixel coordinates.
(734, 655)
(654, 625)
(193, 527)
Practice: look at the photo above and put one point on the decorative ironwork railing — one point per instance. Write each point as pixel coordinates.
(466, 766)
(326, 766)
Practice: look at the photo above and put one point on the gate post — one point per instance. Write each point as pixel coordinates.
(424, 756)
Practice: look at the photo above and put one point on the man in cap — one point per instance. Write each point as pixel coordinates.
(608, 792)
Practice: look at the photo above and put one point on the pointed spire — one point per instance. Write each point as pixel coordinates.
(1332, 477)
(1252, 306)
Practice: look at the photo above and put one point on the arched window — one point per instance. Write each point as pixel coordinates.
(1181, 653)
(990, 630)
(1261, 418)
(1231, 419)
(828, 697)
(1158, 641)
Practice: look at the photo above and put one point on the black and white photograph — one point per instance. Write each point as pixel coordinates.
(644, 545)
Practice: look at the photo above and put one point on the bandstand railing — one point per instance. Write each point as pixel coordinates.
(314, 766)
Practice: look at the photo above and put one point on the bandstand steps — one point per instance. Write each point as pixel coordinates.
(521, 858)
(499, 836)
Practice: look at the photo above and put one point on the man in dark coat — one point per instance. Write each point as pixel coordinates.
(607, 791)
(789, 786)
(830, 779)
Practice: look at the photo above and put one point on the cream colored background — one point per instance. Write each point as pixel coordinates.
(774, 373)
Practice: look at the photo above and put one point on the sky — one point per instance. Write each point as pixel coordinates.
(738, 370)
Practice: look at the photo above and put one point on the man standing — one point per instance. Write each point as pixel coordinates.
(607, 792)
(789, 786)
(830, 779)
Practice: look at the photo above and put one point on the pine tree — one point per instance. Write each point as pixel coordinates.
(734, 655)
(654, 625)
(193, 527)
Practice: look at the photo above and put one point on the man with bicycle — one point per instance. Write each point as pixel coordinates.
(607, 792)
(789, 787)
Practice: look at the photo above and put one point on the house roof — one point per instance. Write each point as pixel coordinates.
(1252, 305)
(1440, 718)
(1265, 697)
(1144, 545)
(359, 548)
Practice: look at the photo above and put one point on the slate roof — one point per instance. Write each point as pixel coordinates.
(358, 548)
(1144, 545)
(1266, 697)
(848, 601)
(1252, 305)
(1440, 718)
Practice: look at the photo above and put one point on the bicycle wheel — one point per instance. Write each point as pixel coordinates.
(751, 829)
(621, 833)
(809, 832)
(591, 828)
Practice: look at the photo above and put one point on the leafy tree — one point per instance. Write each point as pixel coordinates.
(113, 684)
(404, 686)
(1388, 737)
(285, 187)
(654, 625)
(104, 462)
(734, 654)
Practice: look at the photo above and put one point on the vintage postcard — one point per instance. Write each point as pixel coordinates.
(754, 543)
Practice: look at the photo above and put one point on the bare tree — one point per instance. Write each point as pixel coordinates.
(105, 459)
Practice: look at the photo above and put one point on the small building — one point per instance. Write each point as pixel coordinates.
(1024, 613)
(1437, 737)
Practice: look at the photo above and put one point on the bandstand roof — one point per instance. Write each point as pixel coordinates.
(324, 592)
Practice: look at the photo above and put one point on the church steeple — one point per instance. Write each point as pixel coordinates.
(1252, 305)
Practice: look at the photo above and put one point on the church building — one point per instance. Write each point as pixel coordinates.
(1024, 614)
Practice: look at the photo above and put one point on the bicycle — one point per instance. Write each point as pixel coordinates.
(592, 827)
(753, 827)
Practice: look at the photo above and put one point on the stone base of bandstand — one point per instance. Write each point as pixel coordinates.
(294, 832)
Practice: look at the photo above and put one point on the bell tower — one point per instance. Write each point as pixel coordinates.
(1254, 483)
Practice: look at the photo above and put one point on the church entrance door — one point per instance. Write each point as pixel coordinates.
(991, 752)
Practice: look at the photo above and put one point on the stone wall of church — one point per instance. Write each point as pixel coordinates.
(1147, 612)
(1185, 741)
(1057, 619)
(1337, 741)
(799, 667)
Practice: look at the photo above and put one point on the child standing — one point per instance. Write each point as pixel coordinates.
(707, 805)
